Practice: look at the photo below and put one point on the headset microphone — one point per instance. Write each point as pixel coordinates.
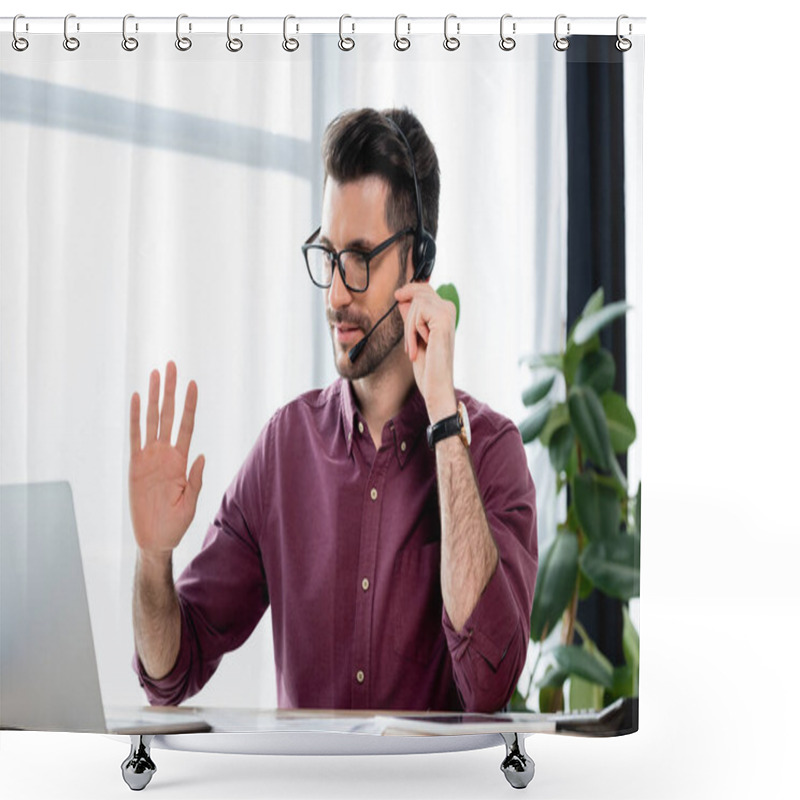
(356, 349)
(423, 254)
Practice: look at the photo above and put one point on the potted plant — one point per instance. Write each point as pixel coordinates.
(584, 426)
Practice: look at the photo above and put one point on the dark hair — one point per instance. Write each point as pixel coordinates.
(361, 143)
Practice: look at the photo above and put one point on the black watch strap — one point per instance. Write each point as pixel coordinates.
(449, 426)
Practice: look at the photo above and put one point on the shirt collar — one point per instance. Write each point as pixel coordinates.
(407, 426)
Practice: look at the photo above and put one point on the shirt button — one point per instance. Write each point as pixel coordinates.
(360, 676)
(403, 446)
(374, 494)
(360, 427)
(365, 584)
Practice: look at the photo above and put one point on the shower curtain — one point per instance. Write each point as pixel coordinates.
(154, 201)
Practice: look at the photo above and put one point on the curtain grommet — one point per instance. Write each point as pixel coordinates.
(401, 43)
(346, 43)
(560, 43)
(289, 44)
(507, 43)
(233, 44)
(183, 43)
(451, 43)
(622, 44)
(19, 43)
(70, 43)
(129, 43)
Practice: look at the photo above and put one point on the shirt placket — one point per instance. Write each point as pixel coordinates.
(372, 504)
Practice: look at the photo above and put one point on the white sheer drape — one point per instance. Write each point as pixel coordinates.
(153, 206)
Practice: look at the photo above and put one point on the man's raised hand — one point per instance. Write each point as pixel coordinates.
(162, 498)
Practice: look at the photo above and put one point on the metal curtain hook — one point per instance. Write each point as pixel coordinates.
(451, 42)
(401, 43)
(129, 43)
(561, 43)
(622, 44)
(234, 45)
(507, 42)
(345, 43)
(70, 42)
(290, 45)
(181, 42)
(18, 42)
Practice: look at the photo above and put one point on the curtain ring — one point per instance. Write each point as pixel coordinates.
(183, 43)
(622, 44)
(401, 42)
(234, 45)
(507, 42)
(18, 42)
(346, 43)
(561, 43)
(289, 45)
(451, 42)
(70, 42)
(129, 43)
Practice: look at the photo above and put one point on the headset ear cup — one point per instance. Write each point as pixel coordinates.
(426, 256)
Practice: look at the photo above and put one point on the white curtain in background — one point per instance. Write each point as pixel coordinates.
(153, 208)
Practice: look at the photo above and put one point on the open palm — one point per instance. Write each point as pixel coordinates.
(162, 498)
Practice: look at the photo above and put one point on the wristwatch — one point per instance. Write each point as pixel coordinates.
(455, 425)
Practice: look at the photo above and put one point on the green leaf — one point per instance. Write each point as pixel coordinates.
(551, 699)
(597, 507)
(630, 648)
(531, 427)
(574, 354)
(624, 682)
(552, 360)
(561, 445)
(538, 391)
(584, 694)
(593, 305)
(559, 416)
(589, 421)
(621, 426)
(576, 660)
(554, 679)
(594, 322)
(596, 369)
(518, 701)
(612, 565)
(555, 584)
(447, 291)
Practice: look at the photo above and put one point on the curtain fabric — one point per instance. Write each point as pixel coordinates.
(153, 208)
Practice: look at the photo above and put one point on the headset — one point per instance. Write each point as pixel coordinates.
(423, 255)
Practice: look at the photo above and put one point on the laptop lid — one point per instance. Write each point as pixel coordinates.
(48, 670)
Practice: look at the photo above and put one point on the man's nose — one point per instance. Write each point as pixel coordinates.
(338, 294)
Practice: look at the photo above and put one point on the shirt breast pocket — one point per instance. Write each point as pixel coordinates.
(417, 603)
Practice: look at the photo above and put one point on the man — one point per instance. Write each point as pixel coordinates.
(398, 575)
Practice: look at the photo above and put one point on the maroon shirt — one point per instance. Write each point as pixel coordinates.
(343, 543)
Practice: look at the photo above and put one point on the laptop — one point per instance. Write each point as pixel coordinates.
(48, 669)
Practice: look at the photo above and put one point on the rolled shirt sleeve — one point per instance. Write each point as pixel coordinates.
(222, 592)
(489, 652)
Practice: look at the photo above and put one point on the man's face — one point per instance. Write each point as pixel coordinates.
(354, 216)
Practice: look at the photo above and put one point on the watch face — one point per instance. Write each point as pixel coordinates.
(466, 431)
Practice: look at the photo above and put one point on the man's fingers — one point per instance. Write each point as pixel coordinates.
(196, 478)
(187, 420)
(152, 407)
(168, 406)
(136, 433)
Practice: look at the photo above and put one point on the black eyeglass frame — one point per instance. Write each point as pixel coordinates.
(337, 257)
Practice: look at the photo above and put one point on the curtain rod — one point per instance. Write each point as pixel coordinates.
(405, 25)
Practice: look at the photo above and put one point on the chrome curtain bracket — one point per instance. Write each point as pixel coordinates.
(507, 42)
(451, 42)
(345, 42)
(561, 43)
(71, 43)
(234, 45)
(401, 42)
(183, 43)
(622, 44)
(19, 43)
(289, 44)
(129, 43)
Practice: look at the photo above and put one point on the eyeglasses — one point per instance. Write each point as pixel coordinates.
(353, 264)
